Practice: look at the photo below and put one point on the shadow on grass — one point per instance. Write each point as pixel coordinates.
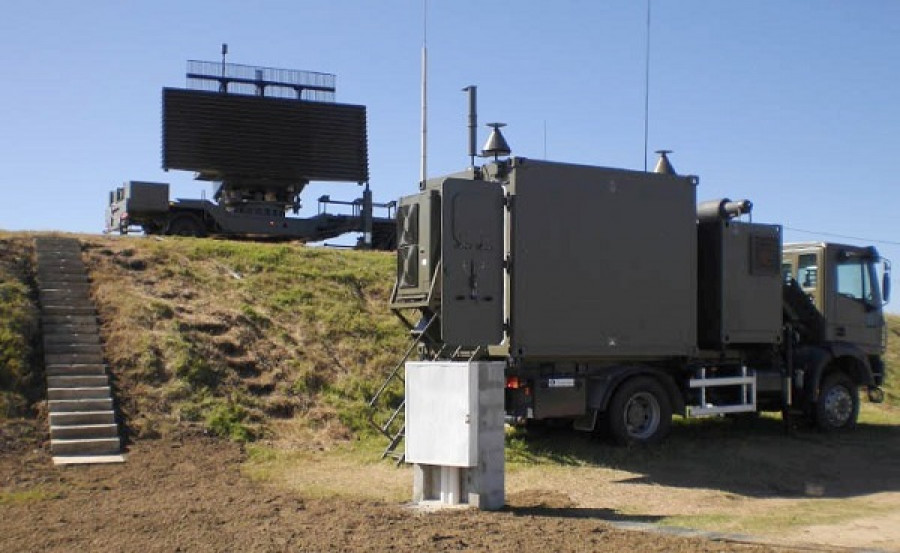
(752, 458)
(578, 512)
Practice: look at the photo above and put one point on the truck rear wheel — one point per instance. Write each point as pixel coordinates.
(838, 403)
(186, 225)
(640, 412)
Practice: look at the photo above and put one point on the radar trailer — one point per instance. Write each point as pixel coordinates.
(260, 135)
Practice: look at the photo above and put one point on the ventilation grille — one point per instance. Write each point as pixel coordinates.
(408, 246)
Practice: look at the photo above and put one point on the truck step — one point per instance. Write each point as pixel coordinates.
(76, 369)
(84, 431)
(71, 405)
(82, 417)
(93, 392)
(95, 446)
(744, 382)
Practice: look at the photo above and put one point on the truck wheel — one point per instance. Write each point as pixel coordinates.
(640, 412)
(838, 403)
(186, 225)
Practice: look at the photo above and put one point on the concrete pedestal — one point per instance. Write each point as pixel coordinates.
(454, 433)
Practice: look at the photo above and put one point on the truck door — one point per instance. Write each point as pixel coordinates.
(471, 262)
(856, 308)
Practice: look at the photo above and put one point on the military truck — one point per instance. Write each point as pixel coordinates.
(617, 300)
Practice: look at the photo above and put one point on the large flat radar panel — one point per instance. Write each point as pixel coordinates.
(229, 136)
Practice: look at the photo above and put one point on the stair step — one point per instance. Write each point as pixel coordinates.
(68, 310)
(64, 297)
(77, 446)
(63, 280)
(73, 358)
(82, 417)
(53, 329)
(72, 338)
(46, 272)
(68, 319)
(70, 405)
(53, 261)
(84, 431)
(92, 392)
(73, 348)
(62, 286)
(79, 381)
(75, 370)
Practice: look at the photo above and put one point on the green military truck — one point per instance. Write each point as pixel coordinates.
(617, 300)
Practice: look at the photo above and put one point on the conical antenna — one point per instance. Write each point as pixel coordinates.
(496, 145)
(663, 165)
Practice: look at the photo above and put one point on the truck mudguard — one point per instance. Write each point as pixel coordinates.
(815, 362)
(602, 386)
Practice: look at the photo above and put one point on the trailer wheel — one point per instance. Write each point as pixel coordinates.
(838, 403)
(186, 225)
(640, 412)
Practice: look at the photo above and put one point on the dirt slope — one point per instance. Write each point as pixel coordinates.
(187, 494)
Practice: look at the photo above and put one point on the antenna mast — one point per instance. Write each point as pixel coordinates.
(423, 171)
(647, 89)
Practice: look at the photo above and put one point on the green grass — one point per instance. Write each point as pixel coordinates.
(18, 329)
(27, 496)
(272, 330)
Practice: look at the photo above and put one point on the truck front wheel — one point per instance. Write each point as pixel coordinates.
(640, 412)
(838, 403)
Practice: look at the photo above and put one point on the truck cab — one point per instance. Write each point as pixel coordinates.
(842, 282)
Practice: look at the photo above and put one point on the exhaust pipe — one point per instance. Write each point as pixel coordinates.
(473, 122)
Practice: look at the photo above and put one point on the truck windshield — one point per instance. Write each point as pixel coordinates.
(856, 280)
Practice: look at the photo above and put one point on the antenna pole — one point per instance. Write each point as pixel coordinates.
(223, 84)
(647, 89)
(424, 168)
(545, 139)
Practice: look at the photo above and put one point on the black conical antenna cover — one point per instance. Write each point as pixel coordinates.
(663, 165)
(496, 145)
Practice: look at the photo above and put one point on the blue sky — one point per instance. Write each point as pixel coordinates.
(791, 104)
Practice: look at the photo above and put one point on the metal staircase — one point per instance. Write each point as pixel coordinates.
(393, 425)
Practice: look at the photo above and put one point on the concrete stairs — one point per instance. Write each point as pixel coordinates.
(83, 428)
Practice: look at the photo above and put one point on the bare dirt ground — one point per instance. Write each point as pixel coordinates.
(189, 494)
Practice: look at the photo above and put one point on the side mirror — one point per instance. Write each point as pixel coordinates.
(886, 282)
(886, 287)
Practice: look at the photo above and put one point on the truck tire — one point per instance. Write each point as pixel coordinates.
(640, 412)
(186, 225)
(837, 406)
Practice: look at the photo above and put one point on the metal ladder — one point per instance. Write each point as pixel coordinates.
(389, 429)
(747, 403)
(394, 428)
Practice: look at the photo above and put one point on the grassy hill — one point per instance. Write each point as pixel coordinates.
(243, 339)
